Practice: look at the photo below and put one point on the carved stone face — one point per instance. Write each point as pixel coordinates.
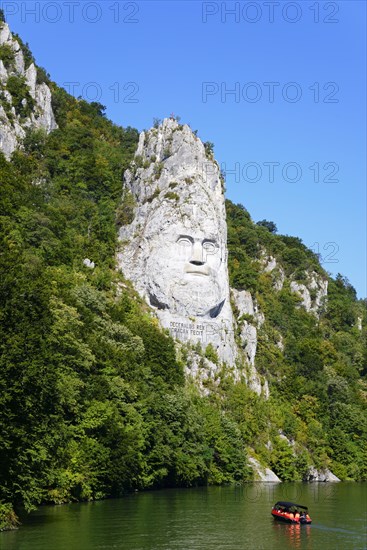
(186, 269)
(175, 248)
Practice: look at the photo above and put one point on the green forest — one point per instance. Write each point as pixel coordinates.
(93, 399)
(318, 381)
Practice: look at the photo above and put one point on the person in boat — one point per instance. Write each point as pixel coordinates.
(288, 511)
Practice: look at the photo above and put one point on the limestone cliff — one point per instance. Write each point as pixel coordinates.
(24, 103)
(174, 250)
(175, 247)
(312, 293)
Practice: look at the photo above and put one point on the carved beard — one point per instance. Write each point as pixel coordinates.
(185, 294)
(198, 297)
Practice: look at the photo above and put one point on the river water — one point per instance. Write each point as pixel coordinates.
(211, 518)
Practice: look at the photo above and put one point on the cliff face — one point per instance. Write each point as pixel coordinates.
(175, 248)
(24, 103)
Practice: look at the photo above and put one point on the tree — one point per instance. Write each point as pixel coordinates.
(209, 149)
(270, 226)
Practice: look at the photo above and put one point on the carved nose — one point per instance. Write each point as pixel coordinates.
(197, 254)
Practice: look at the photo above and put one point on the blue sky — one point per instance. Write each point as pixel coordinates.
(292, 131)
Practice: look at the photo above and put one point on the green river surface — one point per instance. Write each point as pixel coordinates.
(212, 518)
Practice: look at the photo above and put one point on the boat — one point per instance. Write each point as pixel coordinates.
(289, 512)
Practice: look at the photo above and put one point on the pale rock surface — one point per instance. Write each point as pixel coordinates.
(265, 389)
(18, 59)
(270, 265)
(261, 473)
(31, 79)
(322, 475)
(12, 132)
(314, 283)
(280, 343)
(45, 116)
(249, 341)
(88, 263)
(175, 249)
(243, 301)
(245, 305)
(5, 35)
(279, 279)
(3, 73)
(202, 370)
(303, 293)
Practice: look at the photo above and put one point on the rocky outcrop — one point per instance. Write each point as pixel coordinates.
(270, 265)
(249, 318)
(246, 305)
(248, 333)
(322, 475)
(202, 370)
(312, 292)
(261, 473)
(88, 263)
(175, 248)
(34, 110)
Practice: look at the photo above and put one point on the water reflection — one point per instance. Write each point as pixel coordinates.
(296, 535)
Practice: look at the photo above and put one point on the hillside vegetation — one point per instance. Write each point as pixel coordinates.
(315, 364)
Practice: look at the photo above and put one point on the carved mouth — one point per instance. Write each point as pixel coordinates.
(203, 271)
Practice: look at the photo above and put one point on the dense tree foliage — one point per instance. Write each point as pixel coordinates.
(316, 366)
(270, 226)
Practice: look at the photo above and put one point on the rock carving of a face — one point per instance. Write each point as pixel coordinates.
(186, 269)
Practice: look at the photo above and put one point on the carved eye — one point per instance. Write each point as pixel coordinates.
(184, 242)
(209, 247)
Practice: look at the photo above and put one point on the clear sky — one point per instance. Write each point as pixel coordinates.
(291, 135)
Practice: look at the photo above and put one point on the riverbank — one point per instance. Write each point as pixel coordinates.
(8, 518)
